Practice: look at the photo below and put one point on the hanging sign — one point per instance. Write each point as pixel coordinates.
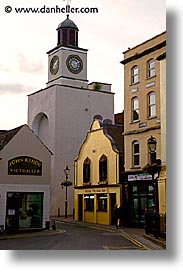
(139, 177)
(24, 165)
(95, 190)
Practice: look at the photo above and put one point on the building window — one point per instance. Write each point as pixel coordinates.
(135, 109)
(24, 210)
(72, 38)
(151, 68)
(136, 154)
(103, 168)
(89, 202)
(86, 170)
(102, 202)
(135, 75)
(151, 104)
(64, 36)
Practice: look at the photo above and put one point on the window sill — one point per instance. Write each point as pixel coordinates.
(151, 117)
(136, 167)
(103, 182)
(135, 121)
(86, 183)
(151, 77)
(132, 84)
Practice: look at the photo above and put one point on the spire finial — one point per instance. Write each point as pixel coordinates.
(67, 1)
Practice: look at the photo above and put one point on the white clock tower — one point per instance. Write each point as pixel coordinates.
(62, 113)
(67, 62)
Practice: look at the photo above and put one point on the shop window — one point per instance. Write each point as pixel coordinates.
(89, 202)
(102, 202)
(136, 154)
(24, 210)
(103, 168)
(135, 75)
(86, 170)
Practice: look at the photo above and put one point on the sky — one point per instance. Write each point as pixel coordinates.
(25, 39)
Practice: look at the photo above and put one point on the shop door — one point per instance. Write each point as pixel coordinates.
(12, 212)
(142, 200)
(80, 207)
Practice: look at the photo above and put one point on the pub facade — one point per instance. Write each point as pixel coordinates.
(97, 186)
(25, 164)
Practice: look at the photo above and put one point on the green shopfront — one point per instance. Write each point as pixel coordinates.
(140, 197)
(24, 210)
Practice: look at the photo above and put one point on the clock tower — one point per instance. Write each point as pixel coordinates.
(67, 62)
(62, 112)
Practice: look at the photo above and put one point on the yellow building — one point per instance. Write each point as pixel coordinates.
(97, 185)
(143, 118)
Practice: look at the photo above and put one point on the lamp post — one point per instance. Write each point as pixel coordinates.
(152, 149)
(66, 183)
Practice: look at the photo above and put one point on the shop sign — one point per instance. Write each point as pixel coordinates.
(139, 177)
(95, 190)
(24, 165)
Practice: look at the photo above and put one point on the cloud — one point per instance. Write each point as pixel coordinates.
(27, 66)
(14, 88)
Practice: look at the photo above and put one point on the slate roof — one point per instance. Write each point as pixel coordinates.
(67, 23)
(7, 135)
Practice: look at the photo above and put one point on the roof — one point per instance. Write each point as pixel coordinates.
(67, 23)
(114, 133)
(7, 135)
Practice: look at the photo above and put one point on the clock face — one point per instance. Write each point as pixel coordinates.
(74, 64)
(54, 65)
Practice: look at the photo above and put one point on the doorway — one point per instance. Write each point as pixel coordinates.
(80, 207)
(112, 204)
(142, 200)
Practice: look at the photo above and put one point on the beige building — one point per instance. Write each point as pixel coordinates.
(162, 176)
(142, 119)
(25, 165)
(97, 186)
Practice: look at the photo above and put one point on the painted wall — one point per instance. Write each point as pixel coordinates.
(25, 143)
(94, 146)
(70, 111)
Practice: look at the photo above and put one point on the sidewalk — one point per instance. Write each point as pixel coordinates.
(140, 232)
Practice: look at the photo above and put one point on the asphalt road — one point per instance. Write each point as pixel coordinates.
(75, 236)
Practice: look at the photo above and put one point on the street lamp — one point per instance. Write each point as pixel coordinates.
(152, 149)
(66, 183)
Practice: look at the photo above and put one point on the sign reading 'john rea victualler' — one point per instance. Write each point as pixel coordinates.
(24, 165)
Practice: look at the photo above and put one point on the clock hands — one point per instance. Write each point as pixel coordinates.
(55, 64)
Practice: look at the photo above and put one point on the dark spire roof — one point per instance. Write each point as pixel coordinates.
(67, 23)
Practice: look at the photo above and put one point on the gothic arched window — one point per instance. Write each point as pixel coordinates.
(86, 170)
(103, 168)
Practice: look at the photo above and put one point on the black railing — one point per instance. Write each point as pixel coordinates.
(155, 224)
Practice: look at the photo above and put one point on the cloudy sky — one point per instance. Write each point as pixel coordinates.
(25, 39)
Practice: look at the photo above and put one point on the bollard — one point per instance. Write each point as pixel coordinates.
(53, 225)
